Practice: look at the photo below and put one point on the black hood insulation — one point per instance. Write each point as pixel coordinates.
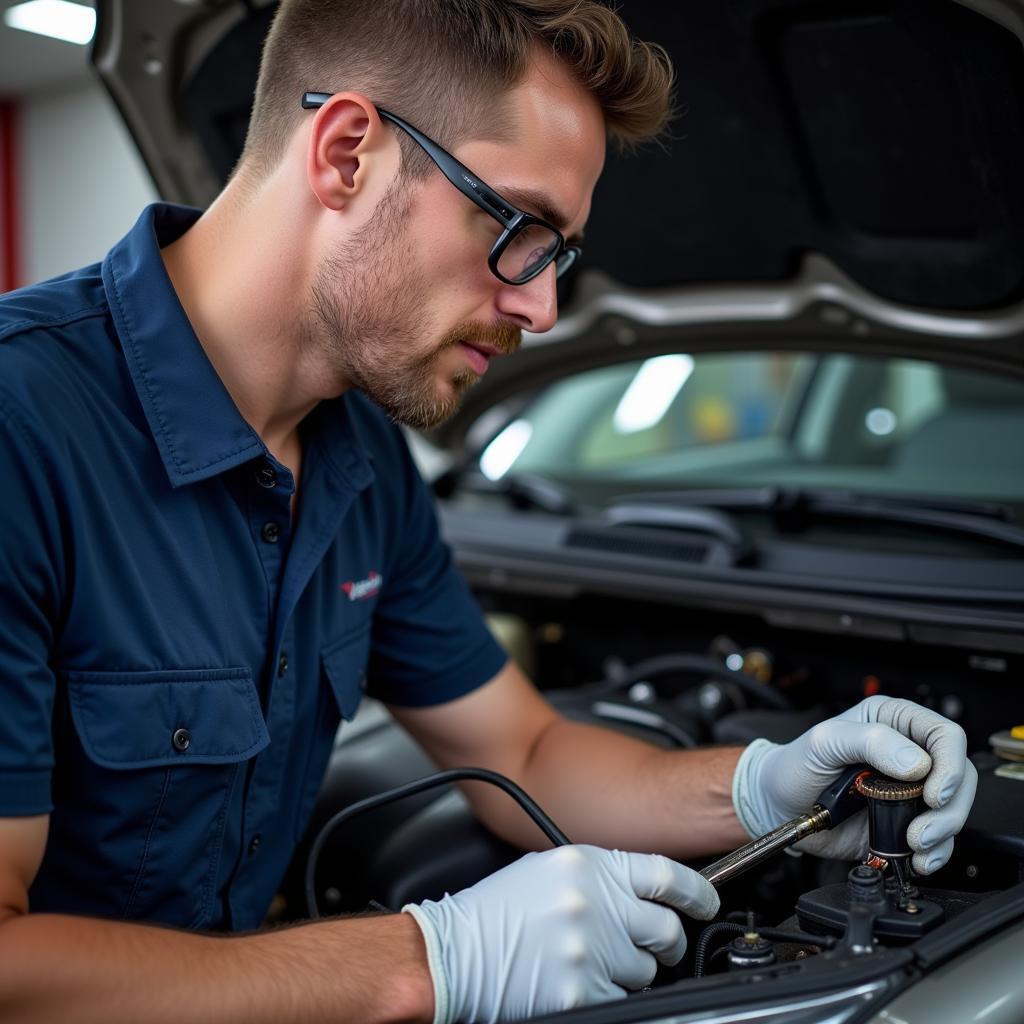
(888, 136)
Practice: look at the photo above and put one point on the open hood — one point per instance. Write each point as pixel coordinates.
(842, 173)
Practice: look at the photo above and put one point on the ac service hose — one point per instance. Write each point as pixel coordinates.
(834, 805)
(530, 806)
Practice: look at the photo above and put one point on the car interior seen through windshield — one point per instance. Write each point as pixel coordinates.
(772, 419)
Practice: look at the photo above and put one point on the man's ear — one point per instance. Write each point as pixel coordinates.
(347, 137)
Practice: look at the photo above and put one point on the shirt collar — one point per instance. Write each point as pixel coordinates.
(197, 427)
(195, 423)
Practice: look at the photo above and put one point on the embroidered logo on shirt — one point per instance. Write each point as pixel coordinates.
(359, 590)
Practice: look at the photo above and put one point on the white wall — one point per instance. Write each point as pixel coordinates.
(82, 183)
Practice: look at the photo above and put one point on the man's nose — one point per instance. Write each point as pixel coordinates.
(533, 305)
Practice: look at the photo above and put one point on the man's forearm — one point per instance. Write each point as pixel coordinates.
(58, 968)
(615, 791)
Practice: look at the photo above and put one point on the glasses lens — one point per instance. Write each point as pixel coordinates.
(529, 252)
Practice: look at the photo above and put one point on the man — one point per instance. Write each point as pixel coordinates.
(181, 623)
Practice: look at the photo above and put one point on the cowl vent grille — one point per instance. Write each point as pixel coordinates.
(646, 544)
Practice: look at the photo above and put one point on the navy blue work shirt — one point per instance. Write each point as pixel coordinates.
(175, 654)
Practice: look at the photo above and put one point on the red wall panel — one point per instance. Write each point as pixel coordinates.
(10, 236)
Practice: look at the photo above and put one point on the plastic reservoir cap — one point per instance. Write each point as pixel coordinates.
(1009, 744)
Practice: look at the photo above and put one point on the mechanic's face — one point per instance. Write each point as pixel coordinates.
(411, 310)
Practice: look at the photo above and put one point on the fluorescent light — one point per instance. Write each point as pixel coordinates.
(651, 392)
(55, 18)
(499, 455)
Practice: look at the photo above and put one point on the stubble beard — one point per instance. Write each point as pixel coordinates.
(368, 312)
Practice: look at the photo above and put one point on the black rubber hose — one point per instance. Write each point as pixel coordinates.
(772, 934)
(696, 664)
(542, 821)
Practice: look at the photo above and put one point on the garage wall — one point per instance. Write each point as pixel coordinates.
(82, 185)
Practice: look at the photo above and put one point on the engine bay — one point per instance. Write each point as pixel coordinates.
(683, 678)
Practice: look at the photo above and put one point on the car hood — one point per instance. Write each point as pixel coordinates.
(841, 175)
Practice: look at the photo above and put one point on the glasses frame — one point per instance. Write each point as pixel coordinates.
(509, 216)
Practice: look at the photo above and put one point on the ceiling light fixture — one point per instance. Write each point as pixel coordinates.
(58, 19)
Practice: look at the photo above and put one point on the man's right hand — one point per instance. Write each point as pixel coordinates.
(556, 930)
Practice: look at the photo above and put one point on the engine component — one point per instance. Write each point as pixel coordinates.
(834, 805)
(892, 806)
(645, 717)
(750, 950)
(866, 910)
(684, 663)
(745, 726)
(865, 893)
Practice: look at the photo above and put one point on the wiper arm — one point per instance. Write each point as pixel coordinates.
(531, 490)
(523, 490)
(769, 498)
(711, 521)
(852, 506)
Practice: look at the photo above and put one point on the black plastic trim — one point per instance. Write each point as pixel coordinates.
(862, 616)
(970, 927)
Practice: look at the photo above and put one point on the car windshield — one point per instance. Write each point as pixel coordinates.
(880, 426)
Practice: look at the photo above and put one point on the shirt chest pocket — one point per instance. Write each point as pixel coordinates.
(129, 720)
(142, 800)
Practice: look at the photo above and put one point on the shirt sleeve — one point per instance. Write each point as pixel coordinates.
(430, 643)
(29, 608)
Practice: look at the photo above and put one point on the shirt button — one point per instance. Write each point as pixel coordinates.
(282, 664)
(271, 532)
(266, 477)
(254, 843)
(181, 740)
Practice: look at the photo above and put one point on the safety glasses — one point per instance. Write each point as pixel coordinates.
(526, 246)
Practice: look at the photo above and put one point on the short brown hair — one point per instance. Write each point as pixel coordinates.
(445, 64)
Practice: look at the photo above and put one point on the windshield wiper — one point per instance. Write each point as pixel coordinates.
(540, 493)
(795, 508)
(713, 522)
(523, 490)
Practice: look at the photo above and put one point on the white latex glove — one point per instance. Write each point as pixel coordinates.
(901, 739)
(557, 929)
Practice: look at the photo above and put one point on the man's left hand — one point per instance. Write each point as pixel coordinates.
(903, 740)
